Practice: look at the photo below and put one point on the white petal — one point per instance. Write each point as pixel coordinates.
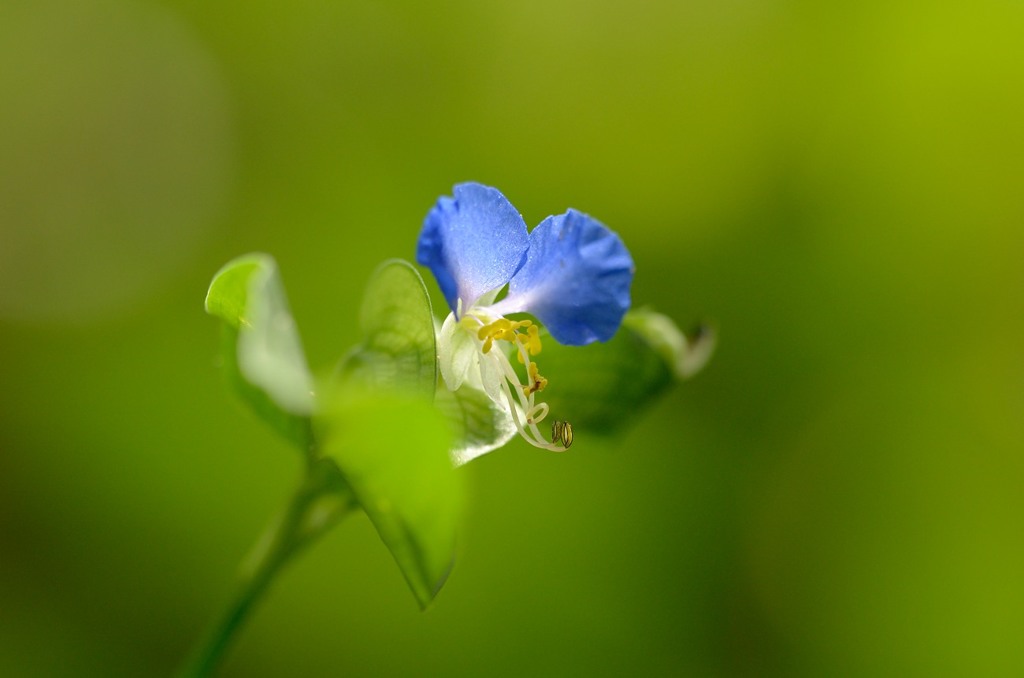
(456, 352)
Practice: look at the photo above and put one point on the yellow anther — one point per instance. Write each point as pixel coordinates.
(536, 382)
(494, 329)
(530, 339)
(504, 329)
(533, 339)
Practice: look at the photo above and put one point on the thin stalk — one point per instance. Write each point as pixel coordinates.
(317, 505)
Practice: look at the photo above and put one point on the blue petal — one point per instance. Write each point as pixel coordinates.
(472, 243)
(576, 279)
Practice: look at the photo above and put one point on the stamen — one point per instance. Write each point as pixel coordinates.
(537, 415)
(529, 431)
(494, 329)
(561, 432)
(524, 336)
(533, 339)
(504, 329)
(536, 382)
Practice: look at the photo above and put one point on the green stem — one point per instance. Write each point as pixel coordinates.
(317, 505)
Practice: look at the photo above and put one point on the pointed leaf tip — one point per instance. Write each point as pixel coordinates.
(393, 451)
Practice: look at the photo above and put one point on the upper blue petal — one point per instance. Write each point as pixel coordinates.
(473, 243)
(576, 279)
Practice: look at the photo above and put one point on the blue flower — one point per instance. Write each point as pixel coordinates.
(571, 273)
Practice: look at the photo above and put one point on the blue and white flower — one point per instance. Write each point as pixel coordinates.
(571, 273)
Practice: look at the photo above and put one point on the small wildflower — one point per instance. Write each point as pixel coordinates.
(571, 273)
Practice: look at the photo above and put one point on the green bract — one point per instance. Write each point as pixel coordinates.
(602, 387)
(261, 350)
(398, 349)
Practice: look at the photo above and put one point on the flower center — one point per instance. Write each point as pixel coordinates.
(524, 336)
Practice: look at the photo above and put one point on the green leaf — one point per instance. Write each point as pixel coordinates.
(262, 353)
(480, 425)
(390, 443)
(601, 387)
(393, 452)
(397, 322)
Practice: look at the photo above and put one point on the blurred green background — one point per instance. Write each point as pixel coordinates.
(838, 186)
